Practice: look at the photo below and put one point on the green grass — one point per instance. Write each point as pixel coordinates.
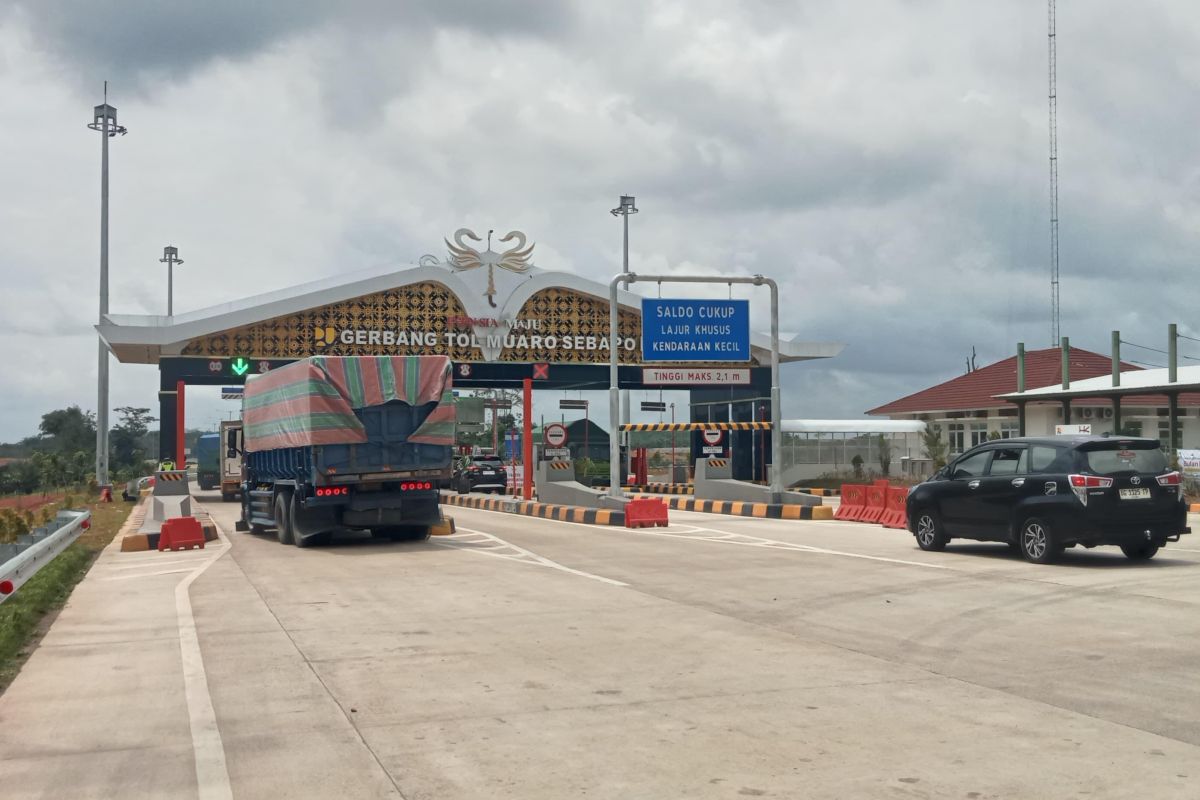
(46, 591)
(22, 615)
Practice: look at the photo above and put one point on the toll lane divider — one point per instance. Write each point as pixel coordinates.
(140, 542)
(653, 488)
(1194, 508)
(739, 508)
(817, 492)
(876, 502)
(529, 508)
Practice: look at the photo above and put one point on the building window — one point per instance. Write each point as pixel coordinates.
(978, 433)
(957, 437)
(1009, 430)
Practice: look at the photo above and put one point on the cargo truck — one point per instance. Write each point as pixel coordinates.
(208, 461)
(231, 463)
(347, 443)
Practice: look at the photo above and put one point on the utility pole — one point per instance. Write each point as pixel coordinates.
(104, 120)
(627, 208)
(1055, 310)
(170, 258)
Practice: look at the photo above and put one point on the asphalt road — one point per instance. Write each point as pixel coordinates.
(719, 658)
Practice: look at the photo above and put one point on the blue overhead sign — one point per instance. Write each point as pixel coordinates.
(695, 330)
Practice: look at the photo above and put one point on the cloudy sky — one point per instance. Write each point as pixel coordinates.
(884, 159)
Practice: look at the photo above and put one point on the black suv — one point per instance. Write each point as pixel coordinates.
(483, 473)
(1043, 494)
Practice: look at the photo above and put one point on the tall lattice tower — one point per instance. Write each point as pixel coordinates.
(1055, 329)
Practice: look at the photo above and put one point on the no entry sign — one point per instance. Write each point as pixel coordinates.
(713, 437)
(555, 435)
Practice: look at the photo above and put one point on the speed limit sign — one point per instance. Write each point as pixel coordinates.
(713, 436)
(555, 435)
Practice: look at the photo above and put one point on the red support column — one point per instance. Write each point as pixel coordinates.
(527, 442)
(180, 459)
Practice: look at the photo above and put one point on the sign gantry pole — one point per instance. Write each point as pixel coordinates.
(614, 405)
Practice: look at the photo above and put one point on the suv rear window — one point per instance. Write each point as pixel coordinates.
(1116, 459)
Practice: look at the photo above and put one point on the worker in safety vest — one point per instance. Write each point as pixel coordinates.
(166, 466)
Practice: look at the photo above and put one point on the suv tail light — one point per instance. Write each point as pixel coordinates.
(1089, 482)
(1170, 479)
(1081, 483)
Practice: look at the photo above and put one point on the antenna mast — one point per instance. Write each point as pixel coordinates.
(1055, 330)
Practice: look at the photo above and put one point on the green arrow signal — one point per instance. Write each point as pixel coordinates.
(240, 366)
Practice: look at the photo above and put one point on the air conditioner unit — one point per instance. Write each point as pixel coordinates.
(1087, 413)
(1108, 413)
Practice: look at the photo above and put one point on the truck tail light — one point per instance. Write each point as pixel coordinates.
(333, 491)
(1081, 483)
(1170, 479)
(415, 486)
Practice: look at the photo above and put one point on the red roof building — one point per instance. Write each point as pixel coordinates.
(967, 408)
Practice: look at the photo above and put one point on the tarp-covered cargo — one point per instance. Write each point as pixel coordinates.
(312, 401)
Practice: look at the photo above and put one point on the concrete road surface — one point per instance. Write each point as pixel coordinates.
(524, 658)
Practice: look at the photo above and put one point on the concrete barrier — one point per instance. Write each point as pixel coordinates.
(555, 483)
(714, 482)
(170, 499)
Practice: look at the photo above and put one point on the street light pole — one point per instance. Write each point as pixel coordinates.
(627, 208)
(104, 120)
(170, 258)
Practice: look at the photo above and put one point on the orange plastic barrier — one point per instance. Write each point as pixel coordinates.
(648, 512)
(876, 503)
(181, 533)
(896, 513)
(854, 501)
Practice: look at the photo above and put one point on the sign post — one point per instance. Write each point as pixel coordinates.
(712, 351)
(527, 444)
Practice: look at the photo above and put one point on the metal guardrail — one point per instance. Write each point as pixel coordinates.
(19, 562)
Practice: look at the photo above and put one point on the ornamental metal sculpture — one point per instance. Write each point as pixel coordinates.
(464, 257)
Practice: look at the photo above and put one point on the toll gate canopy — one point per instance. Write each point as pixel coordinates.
(499, 317)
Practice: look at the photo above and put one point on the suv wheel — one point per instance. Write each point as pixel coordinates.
(1142, 551)
(930, 534)
(1037, 541)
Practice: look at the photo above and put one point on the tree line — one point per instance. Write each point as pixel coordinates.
(63, 452)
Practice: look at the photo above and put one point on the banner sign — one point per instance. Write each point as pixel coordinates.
(695, 376)
(1189, 461)
(695, 330)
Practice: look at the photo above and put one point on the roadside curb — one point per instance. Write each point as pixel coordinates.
(141, 542)
(529, 508)
(739, 508)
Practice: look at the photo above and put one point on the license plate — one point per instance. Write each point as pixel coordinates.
(1135, 494)
(488, 472)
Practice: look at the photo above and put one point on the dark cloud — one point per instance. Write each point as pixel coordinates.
(153, 39)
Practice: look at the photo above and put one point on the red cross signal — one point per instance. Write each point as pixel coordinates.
(541, 372)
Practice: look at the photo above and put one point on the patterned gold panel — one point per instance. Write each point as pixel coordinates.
(420, 307)
(563, 314)
(556, 325)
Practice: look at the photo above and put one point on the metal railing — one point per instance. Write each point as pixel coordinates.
(20, 561)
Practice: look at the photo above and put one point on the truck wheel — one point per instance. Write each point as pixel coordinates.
(930, 533)
(1037, 541)
(464, 487)
(1142, 551)
(227, 497)
(283, 519)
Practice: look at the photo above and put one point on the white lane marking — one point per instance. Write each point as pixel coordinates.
(743, 540)
(135, 575)
(212, 776)
(497, 546)
(673, 532)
